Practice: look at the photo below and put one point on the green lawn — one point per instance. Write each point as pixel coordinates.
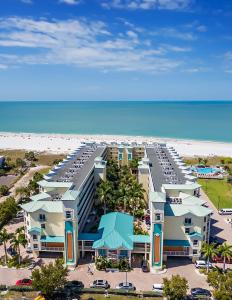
(219, 192)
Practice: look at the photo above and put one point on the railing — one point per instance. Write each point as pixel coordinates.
(87, 248)
(58, 249)
(176, 253)
(139, 249)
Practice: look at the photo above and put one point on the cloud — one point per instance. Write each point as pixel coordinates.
(82, 43)
(70, 2)
(171, 32)
(148, 4)
(3, 67)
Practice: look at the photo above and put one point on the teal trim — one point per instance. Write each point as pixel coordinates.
(157, 231)
(89, 236)
(36, 230)
(182, 243)
(52, 239)
(140, 238)
(69, 228)
(102, 252)
(195, 235)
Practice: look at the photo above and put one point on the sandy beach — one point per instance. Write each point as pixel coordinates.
(64, 143)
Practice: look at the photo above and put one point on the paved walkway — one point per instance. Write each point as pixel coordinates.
(23, 181)
(219, 227)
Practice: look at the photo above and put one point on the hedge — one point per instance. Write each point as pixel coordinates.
(19, 288)
(3, 287)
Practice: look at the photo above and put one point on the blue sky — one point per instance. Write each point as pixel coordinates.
(115, 50)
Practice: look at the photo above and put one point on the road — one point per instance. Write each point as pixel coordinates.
(23, 181)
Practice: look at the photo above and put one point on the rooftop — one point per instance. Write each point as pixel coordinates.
(48, 206)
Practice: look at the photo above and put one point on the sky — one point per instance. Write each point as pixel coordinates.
(115, 50)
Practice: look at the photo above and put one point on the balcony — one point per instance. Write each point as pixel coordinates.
(54, 249)
(187, 224)
(176, 253)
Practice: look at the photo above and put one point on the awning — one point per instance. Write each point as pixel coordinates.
(52, 239)
(177, 243)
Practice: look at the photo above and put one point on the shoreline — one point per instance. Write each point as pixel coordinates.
(65, 143)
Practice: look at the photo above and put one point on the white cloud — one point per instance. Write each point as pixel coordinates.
(82, 43)
(70, 2)
(175, 33)
(3, 67)
(148, 4)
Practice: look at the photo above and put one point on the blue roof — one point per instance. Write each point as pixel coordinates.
(35, 230)
(116, 229)
(183, 243)
(52, 239)
(195, 235)
(89, 236)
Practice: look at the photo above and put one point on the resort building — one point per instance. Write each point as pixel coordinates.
(57, 218)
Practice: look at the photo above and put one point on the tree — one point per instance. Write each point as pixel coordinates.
(209, 251)
(205, 160)
(4, 238)
(104, 191)
(37, 177)
(18, 240)
(175, 288)
(221, 282)
(24, 192)
(50, 277)
(30, 156)
(20, 163)
(225, 251)
(4, 190)
(8, 210)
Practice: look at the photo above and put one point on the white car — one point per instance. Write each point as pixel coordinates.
(202, 264)
(158, 288)
(125, 286)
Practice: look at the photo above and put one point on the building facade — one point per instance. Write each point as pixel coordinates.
(55, 219)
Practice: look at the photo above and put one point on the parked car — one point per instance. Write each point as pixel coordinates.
(145, 266)
(126, 286)
(11, 251)
(23, 282)
(202, 264)
(32, 266)
(225, 211)
(74, 284)
(100, 284)
(20, 214)
(219, 259)
(158, 288)
(199, 293)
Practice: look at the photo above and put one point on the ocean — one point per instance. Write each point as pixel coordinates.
(199, 120)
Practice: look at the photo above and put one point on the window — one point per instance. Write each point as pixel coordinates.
(43, 226)
(42, 217)
(188, 221)
(204, 228)
(35, 237)
(35, 246)
(195, 242)
(187, 230)
(68, 214)
(204, 219)
(157, 217)
(195, 252)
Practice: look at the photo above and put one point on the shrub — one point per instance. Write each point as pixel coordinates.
(3, 287)
(18, 288)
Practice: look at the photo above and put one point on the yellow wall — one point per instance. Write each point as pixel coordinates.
(54, 224)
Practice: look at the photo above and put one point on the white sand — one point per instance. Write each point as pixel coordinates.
(64, 143)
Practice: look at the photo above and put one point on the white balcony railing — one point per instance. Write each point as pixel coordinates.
(55, 249)
(176, 253)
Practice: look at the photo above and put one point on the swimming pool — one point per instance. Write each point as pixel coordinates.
(206, 170)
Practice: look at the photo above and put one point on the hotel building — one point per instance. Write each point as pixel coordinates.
(56, 218)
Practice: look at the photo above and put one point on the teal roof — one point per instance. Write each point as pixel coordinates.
(182, 209)
(183, 243)
(70, 195)
(157, 197)
(36, 230)
(55, 184)
(195, 235)
(140, 238)
(89, 236)
(48, 206)
(192, 186)
(41, 196)
(52, 239)
(116, 229)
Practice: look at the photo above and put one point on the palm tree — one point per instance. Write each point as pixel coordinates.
(123, 196)
(23, 192)
(104, 191)
(225, 251)
(4, 238)
(209, 251)
(205, 161)
(17, 241)
(136, 195)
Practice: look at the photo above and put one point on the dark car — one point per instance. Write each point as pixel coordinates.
(145, 266)
(11, 251)
(74, 284)
(199, 293)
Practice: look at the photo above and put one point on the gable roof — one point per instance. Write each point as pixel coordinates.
(70, 195)
(191, 186)
(181, 209)
(116, 230)
(48, 206)
(55, 184)
(40, 196)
